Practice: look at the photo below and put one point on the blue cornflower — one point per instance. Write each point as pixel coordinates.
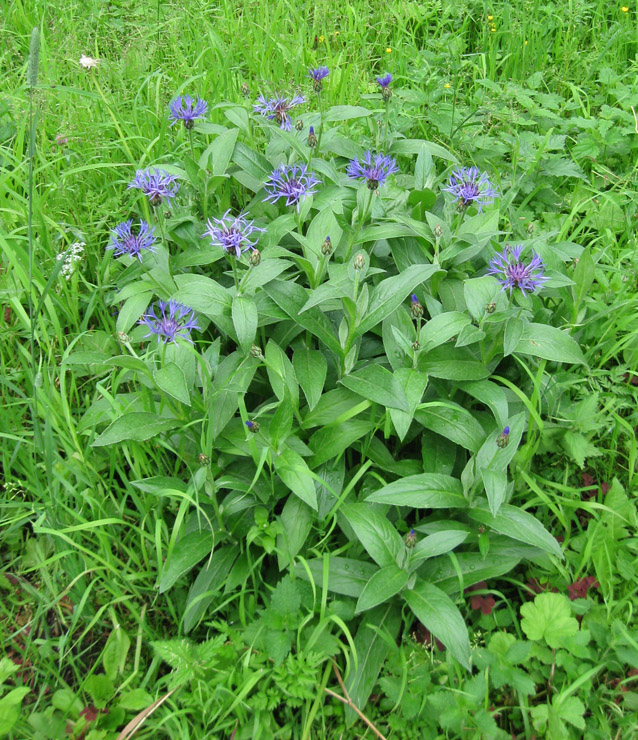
(375, 172)
(385, 80)
(512, 273)
(179, 321)
(292, 182)
(156, 184)
(468, 186)
(317, 75)
(232, 233)
(278, 108)
(124, 241)
(187, 109)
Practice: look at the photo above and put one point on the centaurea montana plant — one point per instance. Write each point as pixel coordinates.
(232, 233)
(124, 241)
(157, 184)
(372, 168)
(187, 109)
(291, 181)
(513, 273)
(278, 109)
(471, 187)
(168, 320)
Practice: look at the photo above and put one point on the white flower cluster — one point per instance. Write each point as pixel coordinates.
(73, 254)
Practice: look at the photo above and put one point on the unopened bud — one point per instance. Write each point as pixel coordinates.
(416, 346)
(326, 247)
(386, 94)
(312, 139)
(245, 90)
(255, 351)
(490, 307)
(255, 257)
(204, 459)
(123, 337)
(299, 124)
(416, 307)
(438, 231)
(359, 262)
(253, 426)
(530, 228)
(503, 438)
(410, 538)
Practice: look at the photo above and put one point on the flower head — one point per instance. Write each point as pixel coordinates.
(385, 80)
(292, 182)
(88, 62)
(187, 109)
(503, 438)
(125, 241)
(416, 308)
(156, 184)
(317, 75)
(513, 273)
(168, 320)
(375, 171)
(311, 141)
(469, 186)
(278, 109)
(232, 233)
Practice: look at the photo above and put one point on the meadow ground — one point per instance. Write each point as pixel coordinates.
(375, 495)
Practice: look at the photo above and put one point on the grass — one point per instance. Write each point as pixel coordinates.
(82, 544)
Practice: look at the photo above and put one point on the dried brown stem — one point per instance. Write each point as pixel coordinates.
(348, 701)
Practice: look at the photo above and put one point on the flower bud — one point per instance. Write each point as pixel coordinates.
(123, 337)
(503, 438)
(359, 262)
(416, 346)
(299, 124)
(490, 307)
(253, 426)
(410, 539)
(438, 231)
(312, 139)
(204, 459)
(255, 351)
(255, 257)
(326, 247)
(386, 94)
(416, 308)
(530, 228)
(245, 90)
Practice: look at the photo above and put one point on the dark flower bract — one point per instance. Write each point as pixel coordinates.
(187, 109)
(469, 186)
(373, 168)
(278, 108)
(292, 182)
(168, 320)
(125, 241)
(513, 273)
(232, 233)
(317, 75)
(156, 184)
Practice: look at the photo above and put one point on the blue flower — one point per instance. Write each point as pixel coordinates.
(125, 241)
(187, 109)
(178, 321)
(385, 80)
(374, 171)
(156, 184)
(468, 186)
(513, 273)
(232, 233)
(317, 75)
(278, 108)
(292, 182)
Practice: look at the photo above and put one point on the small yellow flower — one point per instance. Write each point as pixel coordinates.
(321, 39)
(625, 9)
(336, 33)
(490, 17)
(526, 43)
(447, 84)
(493, 29)
(388, 50)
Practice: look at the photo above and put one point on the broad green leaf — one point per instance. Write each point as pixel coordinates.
(209, 580)
(221, 151)
(373, 530)
(281, 423)
(115, 652)
(425, 491)
(295, 473)
(514, 329)
(281, 374)
(136, 425)
(171, 380)
(495, 482)
(379, 385)
(436, 544)
(390, 293)
(244, 313)
(414, 384)
(452, 363)
(414, 146)
(438, 613)
(310, 368)
(346, 113)
(335, 440)
(346, 576)
(491, 395)
(296, 520)
(422, 169)
(441, 328)
(188, 551)
(335, 407)
(549, 343)
(519, 525)
(480, 293)
(263, 273)
(383, 585)
(132, 310)
(549, 617)
(453, 422)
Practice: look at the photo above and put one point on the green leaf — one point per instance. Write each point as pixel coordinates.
(132, 310)
(379, 385)
(346, 576)
(295, 473)
(383, 585)
(188, 551)
(425, 491)
(100, 688)
(221, 152)
(115, 652)
(438, 613)
(479, 293)
(495, 482)
(296, 521)
(135, 700)
(136, 425)
(209, 581)
(346, 113)
(263, 273)
(380, 539)
(423, 168)
(171, 380)
(390, 293)
(453, 422)
(414, 146)
(519, 525)
(281, 422)
(491, 395)
(436, 544)
(244, 313)
(441, 328)
(335, 440)
(311, 369)
(452, 363)
(549, 343)
(548, 617)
